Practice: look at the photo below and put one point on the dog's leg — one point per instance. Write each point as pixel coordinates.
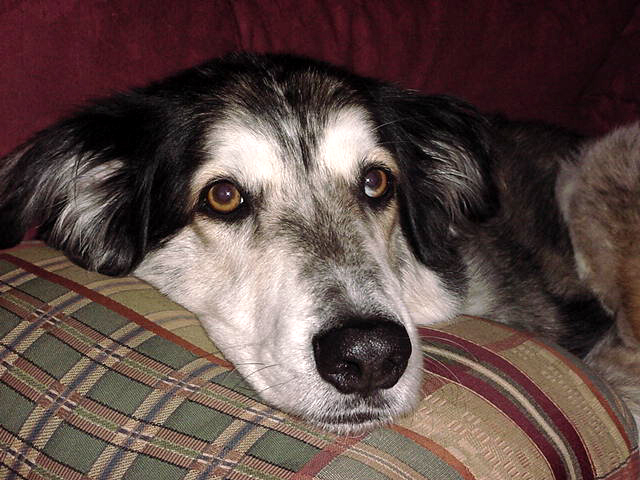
(600, 200)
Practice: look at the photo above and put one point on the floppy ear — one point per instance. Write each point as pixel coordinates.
(442, 146)
(89, 183)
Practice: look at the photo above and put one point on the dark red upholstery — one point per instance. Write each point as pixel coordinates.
(573, 62)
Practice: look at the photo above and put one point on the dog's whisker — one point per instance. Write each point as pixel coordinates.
(247, 375)
(237, 384)
(429, 374)
(392, 122)
(453, 342)
(277, 385)
(441, 365)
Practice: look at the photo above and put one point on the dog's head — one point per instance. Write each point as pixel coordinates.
(307, 215)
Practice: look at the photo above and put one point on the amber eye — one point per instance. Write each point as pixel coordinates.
(224, 197)
(376, 183)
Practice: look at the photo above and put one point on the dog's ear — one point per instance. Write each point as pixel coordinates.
(92, 182)
(442, 146)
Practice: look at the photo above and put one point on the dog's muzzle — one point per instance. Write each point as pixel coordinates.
(362, 356)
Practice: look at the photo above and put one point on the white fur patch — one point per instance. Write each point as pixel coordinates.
(426, 298)
(347, 142)
(565, 188)
(84, 219)
(241, 153)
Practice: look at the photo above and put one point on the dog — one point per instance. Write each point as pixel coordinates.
(312, 218)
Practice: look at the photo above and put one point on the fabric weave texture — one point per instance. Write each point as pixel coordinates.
(105, 378)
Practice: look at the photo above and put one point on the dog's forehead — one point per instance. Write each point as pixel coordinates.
(347, 140)
(246, 148)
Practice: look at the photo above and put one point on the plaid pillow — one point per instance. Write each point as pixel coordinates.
(105, 378)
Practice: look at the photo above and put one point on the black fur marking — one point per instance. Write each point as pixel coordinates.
(441, 146)
(585, 323)
(154, 139)
(461, 178)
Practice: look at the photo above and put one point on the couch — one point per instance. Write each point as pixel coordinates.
(105, 378)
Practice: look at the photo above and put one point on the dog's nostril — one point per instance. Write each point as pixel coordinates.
(362, 356)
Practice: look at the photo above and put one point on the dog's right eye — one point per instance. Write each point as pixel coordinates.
(376, 183)
(224, 197)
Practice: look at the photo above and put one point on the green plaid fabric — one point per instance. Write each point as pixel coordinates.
(104, 378)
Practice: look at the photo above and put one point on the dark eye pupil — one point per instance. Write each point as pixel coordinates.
(223, 193)
(373, 179)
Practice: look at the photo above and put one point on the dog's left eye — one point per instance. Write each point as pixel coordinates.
(376, 183)
(224, 197)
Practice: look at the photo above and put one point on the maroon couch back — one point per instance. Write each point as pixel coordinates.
(573, 62)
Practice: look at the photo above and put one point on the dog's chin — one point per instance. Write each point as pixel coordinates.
(349, 414)
(354, 423)
(354, 416)
(357, 421)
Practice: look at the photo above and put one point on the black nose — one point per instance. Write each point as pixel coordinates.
(362, 356)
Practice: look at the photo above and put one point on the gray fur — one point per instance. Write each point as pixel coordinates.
(486, 217)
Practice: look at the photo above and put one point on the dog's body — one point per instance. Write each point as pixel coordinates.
(311, 218)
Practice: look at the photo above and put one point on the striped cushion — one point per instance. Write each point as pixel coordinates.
(105, 378)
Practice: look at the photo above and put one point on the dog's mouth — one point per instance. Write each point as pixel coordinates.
(353, 416)
(353, 422)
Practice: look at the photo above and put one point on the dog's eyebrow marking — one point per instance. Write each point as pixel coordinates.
(240, 153)
(239, 150)
(347, 139)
